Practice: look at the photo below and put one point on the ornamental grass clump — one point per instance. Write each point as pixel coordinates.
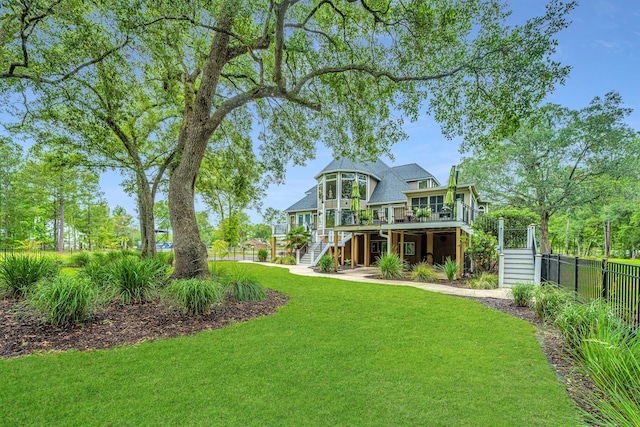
(326, 264)
(98, 273)
(484, 281)
(549, 301)
(20, 273)
(195, 296)
(166, 257)
(134, 280)
(390, 266)
(241, 286)
(449, 268)
(523, 293)
(609, 351)
(80, 259)
(422, 272)
(66, 300)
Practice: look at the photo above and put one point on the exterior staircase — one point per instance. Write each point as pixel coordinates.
(518, 266)
(319, 248)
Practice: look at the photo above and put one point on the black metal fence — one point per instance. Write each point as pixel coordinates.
(588, 279)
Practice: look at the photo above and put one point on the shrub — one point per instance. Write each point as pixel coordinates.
(134, 280)
(391, 267)
(422, 272)
(449, 268)
(262, 255)
(326, 264)
(578, 320)
(99, 257)
(289, 260)
(240, 286)
(112, 256)
(485, 281)
(608, 350)
(80, 259)
(166, 258)
(19, 273)
(523, 294)
(66, 300)
(98, 273)
(549, 301)
(194, 296)
(277, 260)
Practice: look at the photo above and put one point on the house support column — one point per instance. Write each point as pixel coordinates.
(335, 250)
(430, 247)
(367, 250)
(402, 245)
(354, 249)
(273, 247)
(459, 252)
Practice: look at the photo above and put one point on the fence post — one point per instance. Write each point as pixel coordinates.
(605, 278)
(558, 272)
(501, 270)
(575, 276)
(537, 269)
(500, 235)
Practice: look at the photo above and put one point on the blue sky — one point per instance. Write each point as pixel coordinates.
(602, 45)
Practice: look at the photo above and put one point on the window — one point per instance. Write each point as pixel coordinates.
(362, 186)
(346, 182)
(460, 196)
(332, 187)
(419, 202)
(435, 203)
(330, 218)
(424, 184)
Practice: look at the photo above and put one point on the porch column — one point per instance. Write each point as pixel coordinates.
(273, 247)
(402, 245)
(354, 249)
(367, 250)
(459, 252)
(430, 247)
(335, 251)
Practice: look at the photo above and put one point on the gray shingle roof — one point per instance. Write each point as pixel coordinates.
(377, 168)
(389, 189)
(412, 172)
(307, 203)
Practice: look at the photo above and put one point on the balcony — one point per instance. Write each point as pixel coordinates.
(408, 215)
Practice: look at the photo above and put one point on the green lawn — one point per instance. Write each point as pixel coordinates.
(340, 353)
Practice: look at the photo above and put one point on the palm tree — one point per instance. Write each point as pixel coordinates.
(297, 238)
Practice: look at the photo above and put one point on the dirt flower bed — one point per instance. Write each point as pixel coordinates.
(118, 324)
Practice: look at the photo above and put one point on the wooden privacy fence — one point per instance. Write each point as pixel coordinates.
(589, 278)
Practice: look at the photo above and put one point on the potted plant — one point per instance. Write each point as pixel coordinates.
(365, 217)
(423, 213)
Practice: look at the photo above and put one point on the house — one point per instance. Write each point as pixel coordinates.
(359, 211)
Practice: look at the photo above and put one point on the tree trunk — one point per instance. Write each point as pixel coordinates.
(545, 245)
(146, 217)
(61, 226)
(190, 253)
(607, 238)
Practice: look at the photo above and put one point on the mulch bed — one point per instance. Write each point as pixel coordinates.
(117, 324)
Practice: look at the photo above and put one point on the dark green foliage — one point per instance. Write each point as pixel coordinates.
(80, 259)
(523, 294)
(326, 264)
(19, 273)
(195, 296)
(297, 237)
(112, 256)
(98, 272)
(240, 286)
(391, 267)
(449, 268)
(550, 301)
(289, 260)
(262, 255)
(482, 250)
(66, 300)
(134, 280)
(423, 272)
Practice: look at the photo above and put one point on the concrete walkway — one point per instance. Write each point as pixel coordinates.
(361, 274)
